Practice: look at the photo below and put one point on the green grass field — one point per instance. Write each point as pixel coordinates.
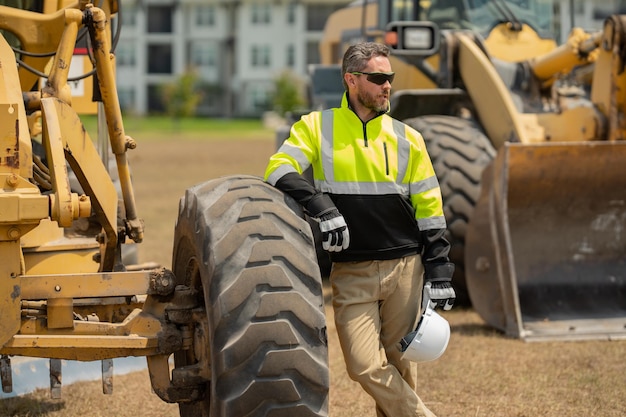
(164, 128)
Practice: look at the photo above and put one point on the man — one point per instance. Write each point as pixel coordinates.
(379, 205)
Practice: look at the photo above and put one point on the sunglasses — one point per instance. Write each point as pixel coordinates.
(378, 78)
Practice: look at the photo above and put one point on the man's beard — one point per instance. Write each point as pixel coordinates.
(373, 102)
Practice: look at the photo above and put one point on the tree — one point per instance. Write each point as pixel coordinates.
(287, 93)
(181, 98)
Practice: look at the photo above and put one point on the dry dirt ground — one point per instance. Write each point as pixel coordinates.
(481, 374)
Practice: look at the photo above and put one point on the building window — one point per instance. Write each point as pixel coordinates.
(291, 56)
(260, 99)
(212, 95)
(155, 99)
(205, 15)
(127, 98)
(125, 54)
(312, 52)
(202, 55)
(160, 19)
(261, 56)
(129, 15)
(261, 14)
(291, 13)
(160, 59)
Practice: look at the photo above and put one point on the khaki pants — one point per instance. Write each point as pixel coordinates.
(376, 303)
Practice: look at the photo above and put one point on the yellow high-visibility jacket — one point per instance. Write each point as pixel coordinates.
(377, 173)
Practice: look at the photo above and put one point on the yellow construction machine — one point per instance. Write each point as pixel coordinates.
(236, 327)
(527, 140)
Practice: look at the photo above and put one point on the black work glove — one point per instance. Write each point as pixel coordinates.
(335, 235)
(438, 284)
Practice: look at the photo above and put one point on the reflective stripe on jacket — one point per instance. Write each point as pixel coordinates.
(377, 173)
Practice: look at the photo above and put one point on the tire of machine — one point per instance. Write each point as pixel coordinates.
(459, 151)
(247, 250)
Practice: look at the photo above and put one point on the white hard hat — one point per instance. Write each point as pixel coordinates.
(430, 338)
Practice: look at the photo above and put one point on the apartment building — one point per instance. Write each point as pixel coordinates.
(238, 47)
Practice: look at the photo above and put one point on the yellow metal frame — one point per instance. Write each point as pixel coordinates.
(39, 308)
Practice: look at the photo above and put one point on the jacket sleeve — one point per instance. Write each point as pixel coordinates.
(435, 256)
(285, 167)
(314, 202)
(426, 198)
(297, 152)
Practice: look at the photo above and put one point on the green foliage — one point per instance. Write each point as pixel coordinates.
(181, 98)
(287, 94)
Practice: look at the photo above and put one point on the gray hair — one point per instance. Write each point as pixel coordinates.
(357, 56)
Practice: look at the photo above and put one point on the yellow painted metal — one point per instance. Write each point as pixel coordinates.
(10, 270)
(60, 313)
(159, 369)
(66, 206)
(83, 89)
(57, 86)
(56, 256)
(489, 94)
(580, 49)
(9, 140)
(37, 33)
(40, 33)
(46, 231)
(162, 379)
(350, 18)
(545, 242)
(138, 335)
(120, 143)
(21, 205)
(545, 247)
(516, 46)
(58, 335)
(504, 122)
(111, 284)
(348, 21)
(13, 123)
(84, 343)
(73, 142)
(47, 250)
(48, 274)
(574, 124)
(609, 78)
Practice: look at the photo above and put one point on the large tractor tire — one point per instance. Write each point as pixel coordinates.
(459, 151)
(245, 248)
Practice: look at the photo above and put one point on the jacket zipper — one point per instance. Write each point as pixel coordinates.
(386, 158)
(366, 143)
(365, 134)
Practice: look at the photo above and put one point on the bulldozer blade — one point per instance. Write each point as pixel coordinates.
(546, 245)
